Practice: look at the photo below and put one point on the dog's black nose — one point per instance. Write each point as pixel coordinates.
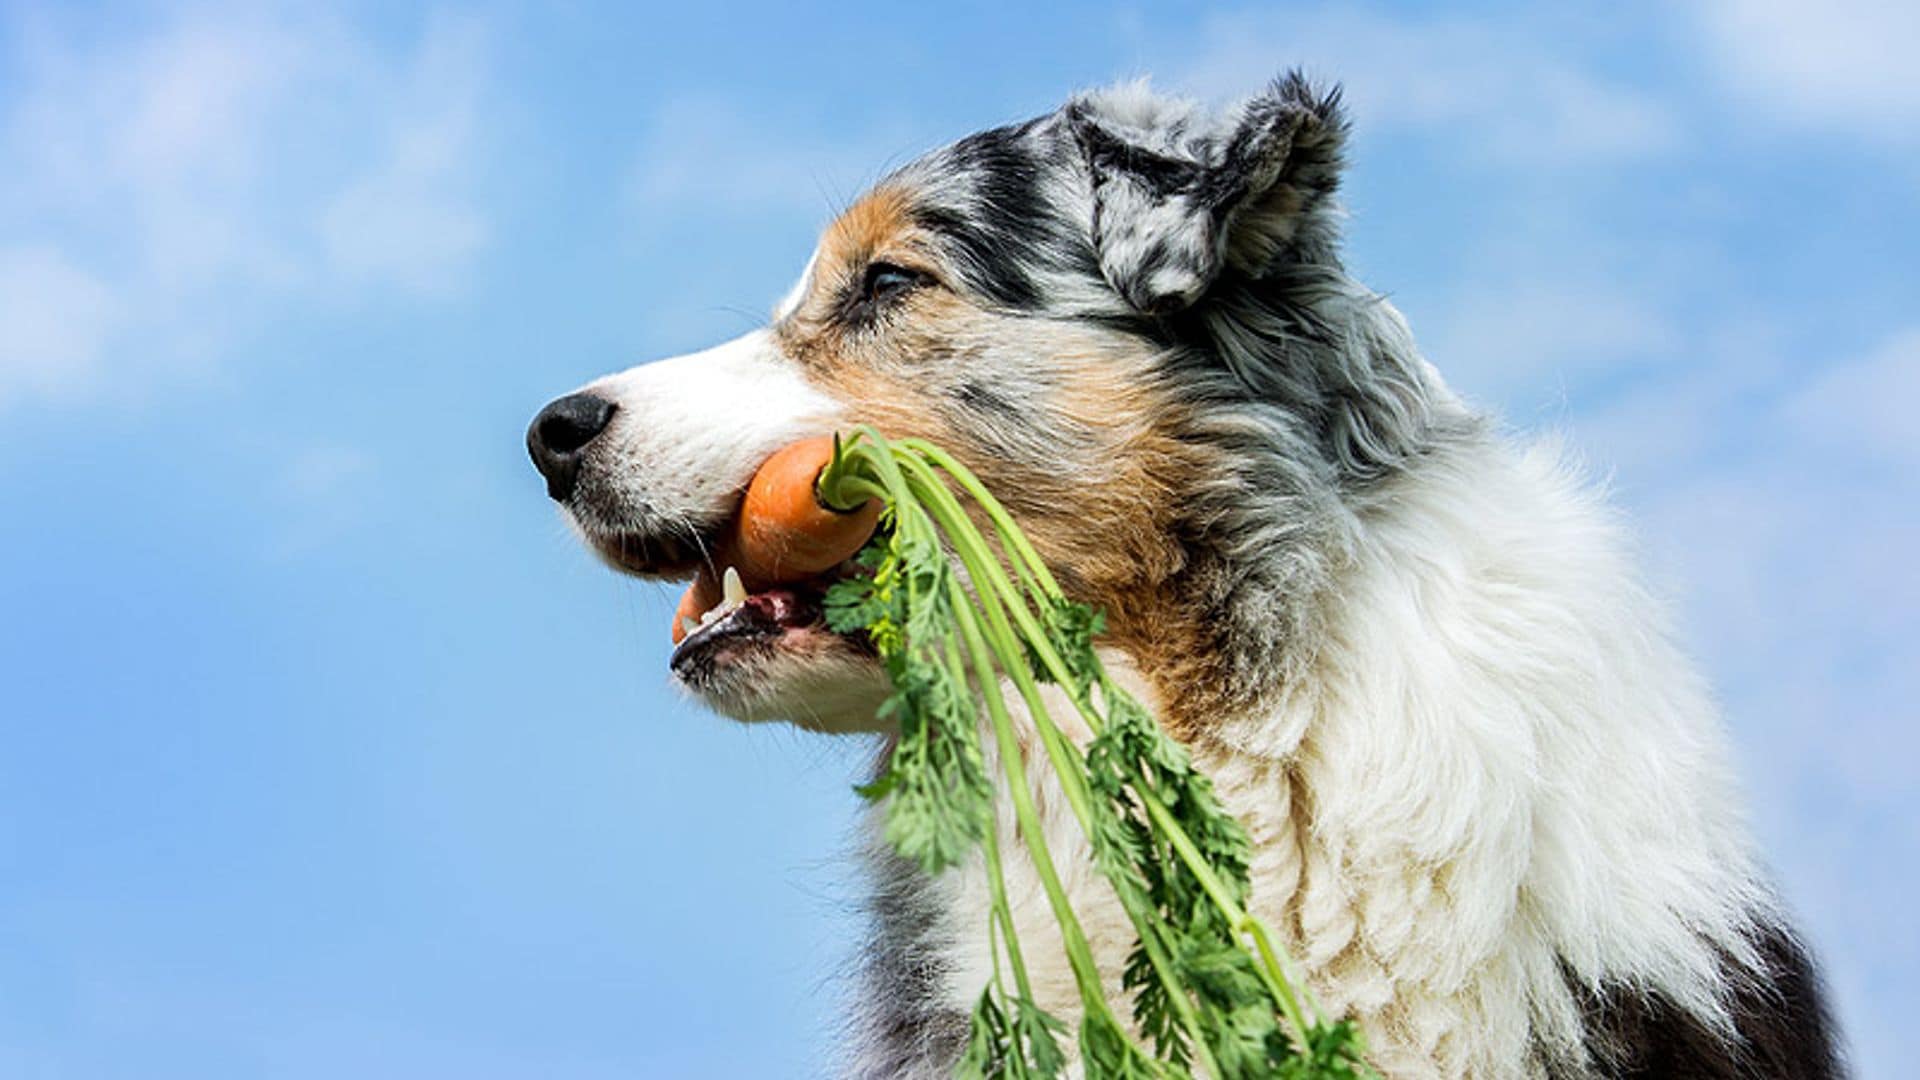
(560, 432)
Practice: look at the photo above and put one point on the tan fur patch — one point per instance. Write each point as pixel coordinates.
(868, 226)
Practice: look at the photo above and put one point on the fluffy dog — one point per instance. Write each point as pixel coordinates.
(1490, 798)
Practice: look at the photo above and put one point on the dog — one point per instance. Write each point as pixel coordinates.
(1490, 799)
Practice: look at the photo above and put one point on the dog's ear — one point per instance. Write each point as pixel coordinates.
(1175, 207)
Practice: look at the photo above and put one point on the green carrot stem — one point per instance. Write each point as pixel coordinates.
(1070, 767)
(1237, 917)
(1003, 915)
(947, 513)
(850, 492)
(941, 503)
(1067, 763)
(1003, 521)
(1073, 938)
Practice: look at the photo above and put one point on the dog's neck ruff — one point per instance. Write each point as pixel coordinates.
(1438, 825)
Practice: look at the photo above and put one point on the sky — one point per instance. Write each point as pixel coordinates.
(329, 752)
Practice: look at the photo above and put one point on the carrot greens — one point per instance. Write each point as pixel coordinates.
(1210, 995)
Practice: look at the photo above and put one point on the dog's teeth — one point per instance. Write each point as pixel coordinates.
(689, 624)
(733, 593)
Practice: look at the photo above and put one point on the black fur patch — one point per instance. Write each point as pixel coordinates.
(994, 240)
(900, 1029)
(983, 398)
(1781, 1017)
(1164, 176)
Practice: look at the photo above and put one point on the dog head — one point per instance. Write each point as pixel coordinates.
(1127, 316)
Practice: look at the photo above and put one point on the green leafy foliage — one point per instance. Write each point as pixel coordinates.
(1334, 1052)
(939, 798)
(1023, 1046)
(1209, 991)
(1109, 1053)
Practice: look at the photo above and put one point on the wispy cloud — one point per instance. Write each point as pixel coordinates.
(1492, 90)
(1846, 65)
(317, 490)
(54, 318)
(1789, 487)
(173, 185)
(1865, 409)
(411, 219)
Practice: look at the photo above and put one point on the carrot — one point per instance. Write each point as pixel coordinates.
(783, 533)
(700, 597)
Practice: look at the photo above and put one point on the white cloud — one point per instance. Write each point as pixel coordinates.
(1782, 508)
(164, 140)
(317, 489)
(411, 220)
(1691, 407)
(1844, 64)
(208, 171)
(54, 318)
(1492, 92)
(1867, 407)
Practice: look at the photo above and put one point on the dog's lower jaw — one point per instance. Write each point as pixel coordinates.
(823, 686)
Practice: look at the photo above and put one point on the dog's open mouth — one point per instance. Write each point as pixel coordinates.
(723, 619)
(725, 622)
(743, 621)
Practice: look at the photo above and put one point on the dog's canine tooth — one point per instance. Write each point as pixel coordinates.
(689, 624)
(732, 589)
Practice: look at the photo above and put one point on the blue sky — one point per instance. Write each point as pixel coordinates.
(329, 753)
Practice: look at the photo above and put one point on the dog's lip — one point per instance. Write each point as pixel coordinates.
(697, 555)
(656, 557)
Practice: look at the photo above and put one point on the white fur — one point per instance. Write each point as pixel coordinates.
(691, 430)
(1506, 761)
(790, 302)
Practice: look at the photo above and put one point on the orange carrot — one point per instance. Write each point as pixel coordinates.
(700, 596)
(783, 533)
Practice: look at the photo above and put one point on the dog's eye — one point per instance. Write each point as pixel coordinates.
(884, 281)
